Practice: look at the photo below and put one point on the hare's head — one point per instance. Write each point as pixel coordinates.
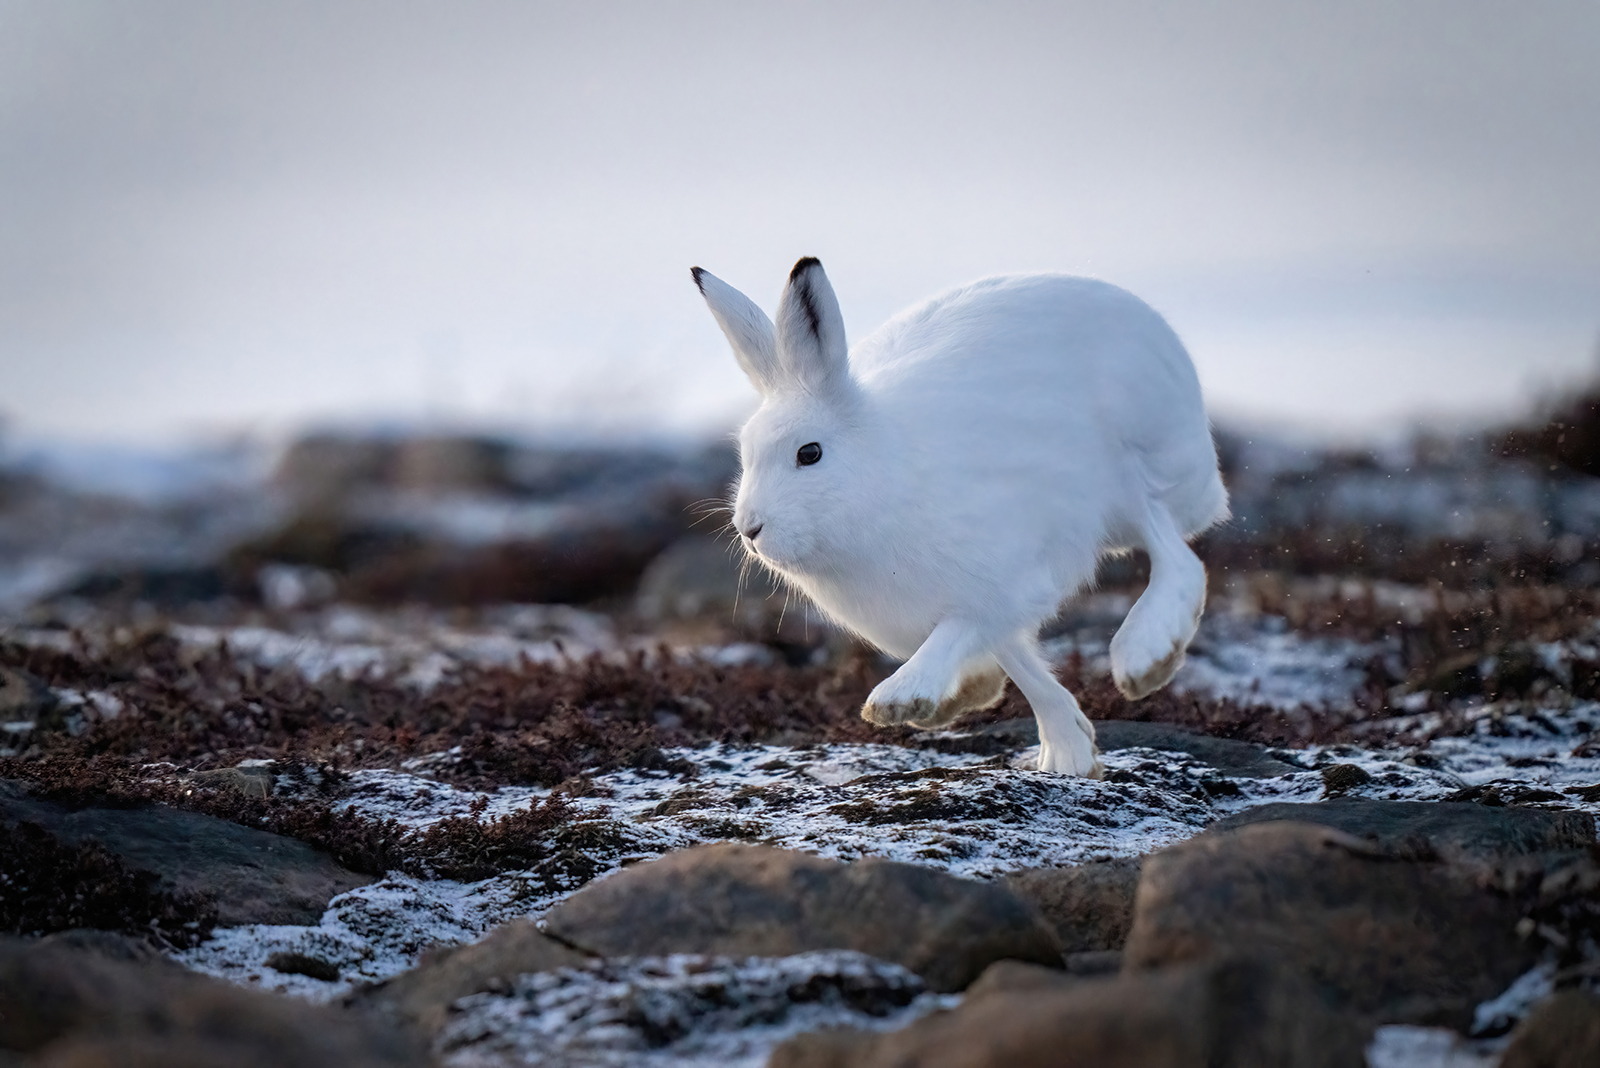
(803, 454)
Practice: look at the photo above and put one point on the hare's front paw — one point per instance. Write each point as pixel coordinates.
(1145, 655)
(900, 698)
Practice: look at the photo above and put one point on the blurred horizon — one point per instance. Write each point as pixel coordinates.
(248, 220)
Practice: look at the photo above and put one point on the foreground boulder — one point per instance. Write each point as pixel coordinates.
(64, 1004)
(752, 901)
(420, 999)
(1090, 905)
(1239, 1012)
(1561, 1032)
(1399, 941)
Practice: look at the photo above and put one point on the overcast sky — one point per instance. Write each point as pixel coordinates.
(220, 215)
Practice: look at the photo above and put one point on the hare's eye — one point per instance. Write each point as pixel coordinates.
(808, 454)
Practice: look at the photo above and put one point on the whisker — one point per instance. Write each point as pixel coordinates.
(738, 587)
(710, 508)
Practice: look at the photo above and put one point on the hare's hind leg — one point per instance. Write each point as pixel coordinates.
(1149, 647)
(950, 673)
(1066, 737)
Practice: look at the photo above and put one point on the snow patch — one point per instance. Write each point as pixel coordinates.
(1496, 1015)
(1261, 661)
(1403, 1046)
(679, 1010)
(368, 934)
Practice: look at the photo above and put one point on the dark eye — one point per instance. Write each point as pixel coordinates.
(808, 454)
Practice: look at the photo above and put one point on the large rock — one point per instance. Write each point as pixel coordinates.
(1241, 759)
(253, 876)
(561, 566)
(737, 901)
(73, 1006)
(1240, 1013)
(1424, 830)
(1401, 941)
(1090, 905)
(327, 467)
(450, 464)
(1560, 1032)
(466, 520)
(420, 999)
(705, 576)
(46, 886)
(23, 697)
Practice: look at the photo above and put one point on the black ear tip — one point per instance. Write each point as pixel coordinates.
(695, 273)
(801, 267)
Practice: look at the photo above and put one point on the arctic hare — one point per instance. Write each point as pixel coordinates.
(942, 489)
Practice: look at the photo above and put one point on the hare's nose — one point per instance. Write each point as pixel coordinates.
(753, 531)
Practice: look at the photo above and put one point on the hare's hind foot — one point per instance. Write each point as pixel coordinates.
(1063, 760)
(1149, 647)
(1145, 662)
(1066, 737)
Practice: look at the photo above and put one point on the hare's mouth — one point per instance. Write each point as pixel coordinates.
(769, 554)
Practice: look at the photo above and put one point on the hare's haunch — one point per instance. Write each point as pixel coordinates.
(943, 488)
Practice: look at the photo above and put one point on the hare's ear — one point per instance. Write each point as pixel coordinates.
(748, 329)
(811, 345)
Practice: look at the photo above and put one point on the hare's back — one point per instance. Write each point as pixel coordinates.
(1035, 322)
(1079, 373)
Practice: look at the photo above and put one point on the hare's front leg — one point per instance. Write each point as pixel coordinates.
(950, 673)
(1066, 737)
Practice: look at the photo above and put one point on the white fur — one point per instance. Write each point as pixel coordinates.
(980, 452)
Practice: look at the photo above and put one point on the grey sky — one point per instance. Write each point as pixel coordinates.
(259, 214)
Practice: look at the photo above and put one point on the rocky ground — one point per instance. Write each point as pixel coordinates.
(288, 782)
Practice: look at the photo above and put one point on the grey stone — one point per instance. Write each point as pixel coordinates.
(254, 876)
(1456, 831)
(735, 900)
(1396, 940)
(1241, 759)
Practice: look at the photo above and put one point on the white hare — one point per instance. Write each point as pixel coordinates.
(944, 488)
